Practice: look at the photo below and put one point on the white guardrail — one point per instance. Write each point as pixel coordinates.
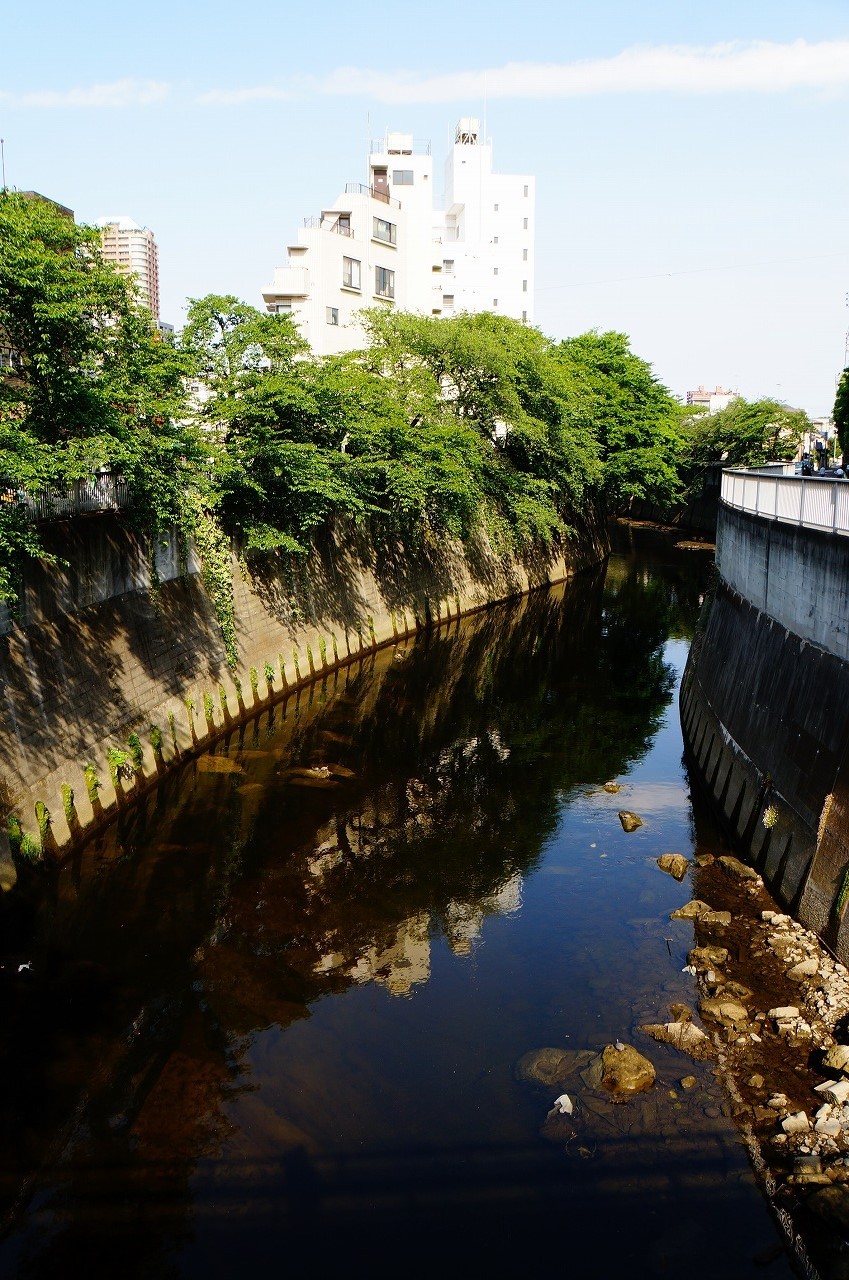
(802, 500)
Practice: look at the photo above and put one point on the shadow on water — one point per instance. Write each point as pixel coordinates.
(272, 1015)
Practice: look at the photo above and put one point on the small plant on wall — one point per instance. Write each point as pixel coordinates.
(92, 782)
(254, 674)
(268, 672)
(120, 765)
(136, 751)
(68, 804)
(208, 706)
(42, 818)
(155, 735)
(222, 698)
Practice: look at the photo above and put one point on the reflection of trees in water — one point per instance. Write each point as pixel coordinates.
(429, 782)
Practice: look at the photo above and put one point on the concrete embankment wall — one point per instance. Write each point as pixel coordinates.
(100, 656)
(764, 710)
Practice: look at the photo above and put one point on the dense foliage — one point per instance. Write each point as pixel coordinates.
(744, 434)
(440, 428)
(841, 412)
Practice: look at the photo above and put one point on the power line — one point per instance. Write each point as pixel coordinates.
(694, 271)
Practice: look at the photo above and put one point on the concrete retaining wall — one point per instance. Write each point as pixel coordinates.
(100, 656)
(763, 708)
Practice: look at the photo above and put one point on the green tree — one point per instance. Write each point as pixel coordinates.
(841, 412)
(743, 434)
(636, 420)
(90, 384)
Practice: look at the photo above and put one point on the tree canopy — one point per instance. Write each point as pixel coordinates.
(438, 428)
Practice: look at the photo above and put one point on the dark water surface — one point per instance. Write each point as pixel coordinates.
(272, 1016)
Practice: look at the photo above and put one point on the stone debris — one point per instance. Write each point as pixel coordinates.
(837, 1058)
(797, 1123)
(704, 958)
(630, 821)
(692, 910)
(674, 864)
(726, 1011)
(611, 787)
(682, 1035)
(739, 870)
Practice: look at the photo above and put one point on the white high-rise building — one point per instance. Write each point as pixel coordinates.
(133, 250)
(390, 242)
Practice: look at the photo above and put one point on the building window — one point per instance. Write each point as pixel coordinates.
(495, 302)
(448, 266)
(281, 307)
(524, 255)
(525, 224)
(383, 230)
(524, 317)
(332, 314)
(402, 177)
(350, 273)
(524, 286)
(495, 208)
(384, 282)
(495, 271)
(448, 300)
(495, 239)
(526, 188)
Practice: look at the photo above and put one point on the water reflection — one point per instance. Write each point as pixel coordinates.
(275, 1009)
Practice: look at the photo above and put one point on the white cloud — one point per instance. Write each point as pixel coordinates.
(119, 93)
(757, 67)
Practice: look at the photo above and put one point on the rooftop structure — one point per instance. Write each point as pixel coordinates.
(388, 241)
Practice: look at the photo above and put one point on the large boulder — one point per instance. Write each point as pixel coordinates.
(674, 864)
(620, 1071)
(630, 821)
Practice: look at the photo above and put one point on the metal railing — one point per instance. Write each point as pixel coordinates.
(809, 501)
(360, 189)
(104, 492)
(329, 224)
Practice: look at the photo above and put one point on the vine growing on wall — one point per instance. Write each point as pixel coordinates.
(213, 547)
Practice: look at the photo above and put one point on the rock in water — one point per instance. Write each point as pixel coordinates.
(674, 864)
(683, 1035)
(625, 1070)
(611, 787)
(550, 1066)
(630, 821)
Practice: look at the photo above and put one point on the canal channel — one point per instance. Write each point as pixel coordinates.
(272, 1016)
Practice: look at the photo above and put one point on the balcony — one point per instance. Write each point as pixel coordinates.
(329, 223)
(360, 189)
(399, 144)
(289, 282)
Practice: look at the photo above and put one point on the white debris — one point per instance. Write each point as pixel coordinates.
(563, 1104)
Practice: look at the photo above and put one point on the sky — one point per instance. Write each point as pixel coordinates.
(691, 161)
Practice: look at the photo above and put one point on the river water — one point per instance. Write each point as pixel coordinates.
(271, 1018)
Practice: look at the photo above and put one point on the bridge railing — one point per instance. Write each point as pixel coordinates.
(810, 501)
(105, 492)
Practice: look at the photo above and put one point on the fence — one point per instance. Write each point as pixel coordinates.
(104, 492)
(802, 500)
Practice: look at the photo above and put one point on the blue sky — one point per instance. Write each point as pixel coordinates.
(691, 160)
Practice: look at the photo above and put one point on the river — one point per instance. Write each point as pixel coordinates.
(270, 1018)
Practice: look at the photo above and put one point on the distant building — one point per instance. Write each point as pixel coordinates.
(712, 400)
(133, 250)
(387, 242)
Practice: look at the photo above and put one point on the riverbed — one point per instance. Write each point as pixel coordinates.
(272, 1016)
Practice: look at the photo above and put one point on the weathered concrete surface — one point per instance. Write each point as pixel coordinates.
(100, 656)
(763, 709)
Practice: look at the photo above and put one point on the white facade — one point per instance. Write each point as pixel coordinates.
(133, 250)
(389, 242)
(714, 401)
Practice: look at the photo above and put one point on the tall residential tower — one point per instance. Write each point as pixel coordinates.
(387, 241)
(133, 250)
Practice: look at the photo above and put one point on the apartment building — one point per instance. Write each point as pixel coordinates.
(133, 250)
(390, 241)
